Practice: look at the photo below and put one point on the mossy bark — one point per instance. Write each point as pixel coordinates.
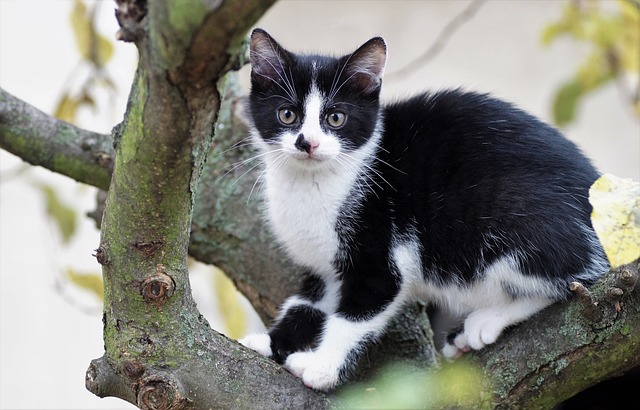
(159, 351)
(60, 147)
(157, 344)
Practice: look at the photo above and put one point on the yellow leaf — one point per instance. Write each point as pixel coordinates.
(616, 217)
(104, 50)
(229, 304)
(91, 282)
(81, 25)
(67, 108)
(62, 214)
(92, 46)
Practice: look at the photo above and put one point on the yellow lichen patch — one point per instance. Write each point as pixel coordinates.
(616, 217)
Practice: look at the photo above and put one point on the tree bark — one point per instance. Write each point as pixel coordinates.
(60, 147)
(160, 353)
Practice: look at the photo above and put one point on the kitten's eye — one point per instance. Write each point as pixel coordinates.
(287, 116)
(336, 119)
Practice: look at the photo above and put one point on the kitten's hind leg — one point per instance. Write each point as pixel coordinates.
(483, 326)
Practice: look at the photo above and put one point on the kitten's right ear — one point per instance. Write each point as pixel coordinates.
(268, 58)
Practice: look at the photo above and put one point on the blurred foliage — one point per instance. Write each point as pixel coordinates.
(92, 46)
(91, 282)
(616, 217)
(95, 52)
(612, 32)
(457, 384)
(64, 215)
(228, 300)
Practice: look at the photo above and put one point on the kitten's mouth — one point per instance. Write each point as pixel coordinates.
(310, 160)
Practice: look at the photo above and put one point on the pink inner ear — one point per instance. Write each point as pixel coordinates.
(366, 65)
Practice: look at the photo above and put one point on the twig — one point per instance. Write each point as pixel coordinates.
(443, 38)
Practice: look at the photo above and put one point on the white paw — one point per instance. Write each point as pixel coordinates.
(480, 329)
(451, 351)
(260, 342)
(315, 370)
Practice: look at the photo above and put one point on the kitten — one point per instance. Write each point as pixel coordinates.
(455, 197)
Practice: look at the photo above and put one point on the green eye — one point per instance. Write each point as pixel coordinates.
(287, 116)
(336, 119)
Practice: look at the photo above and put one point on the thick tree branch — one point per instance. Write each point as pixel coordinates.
(157, 343)
(577, 337)
(569, 346)
(60, 147)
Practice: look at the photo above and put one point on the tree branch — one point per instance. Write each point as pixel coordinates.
(60, 147)
(569, 346)
(156, 340)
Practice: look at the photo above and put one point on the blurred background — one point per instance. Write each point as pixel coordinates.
(572, 63)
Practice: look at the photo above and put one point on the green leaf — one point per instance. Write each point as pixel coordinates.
(455, 385)
(616, 217)
(91, 282)
(63, 215)
(566, 101)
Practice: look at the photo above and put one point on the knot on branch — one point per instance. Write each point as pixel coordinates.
(103, 381)
(132, 369)
(626, 278)
(158, 288)
(589, 305)
(148, 249)
(101, 256)
(129, 15)
(160, 391)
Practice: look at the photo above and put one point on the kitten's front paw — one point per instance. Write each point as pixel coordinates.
(260, 342)
(480, 329)
(316, 371)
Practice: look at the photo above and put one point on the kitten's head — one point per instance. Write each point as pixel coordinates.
(313, 108)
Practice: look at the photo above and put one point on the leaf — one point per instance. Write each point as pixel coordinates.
(229, 304)
(93, 47)
(566, 101)
(91, 282)
(67, 108)
(616, 217)
(455, 385)
(63, 215)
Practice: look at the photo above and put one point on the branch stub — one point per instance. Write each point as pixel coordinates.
(158, 288)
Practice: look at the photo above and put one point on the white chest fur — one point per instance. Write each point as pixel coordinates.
(303, 207)
(305, 193)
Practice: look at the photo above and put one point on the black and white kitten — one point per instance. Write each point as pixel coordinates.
(454, 197)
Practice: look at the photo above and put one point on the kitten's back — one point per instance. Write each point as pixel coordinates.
(482, 179)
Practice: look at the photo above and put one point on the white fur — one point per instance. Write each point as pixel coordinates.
(320, 369)
(260, 342)
(488, 308)
(305, 192)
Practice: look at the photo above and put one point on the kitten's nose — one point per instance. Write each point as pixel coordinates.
(303, 144)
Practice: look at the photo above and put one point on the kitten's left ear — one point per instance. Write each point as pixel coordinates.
(366, 65)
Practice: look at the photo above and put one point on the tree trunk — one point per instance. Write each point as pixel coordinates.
(160, 352)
